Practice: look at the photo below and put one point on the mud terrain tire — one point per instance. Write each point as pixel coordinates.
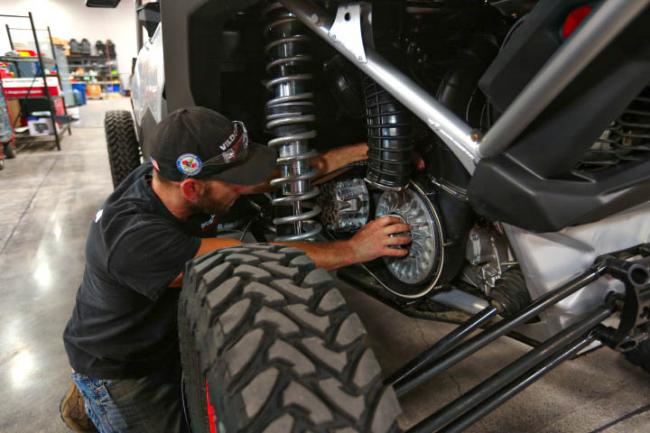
(268, 345)
(122, 144)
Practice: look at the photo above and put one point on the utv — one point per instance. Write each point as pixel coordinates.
(531, 217)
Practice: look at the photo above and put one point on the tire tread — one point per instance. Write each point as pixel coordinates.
(306, 369)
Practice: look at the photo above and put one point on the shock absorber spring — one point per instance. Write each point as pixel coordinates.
(290, 117)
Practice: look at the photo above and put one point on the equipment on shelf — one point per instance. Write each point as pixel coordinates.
(32, 82)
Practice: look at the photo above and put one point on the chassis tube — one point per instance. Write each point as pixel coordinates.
(356, 44)
(517, 386)
(499, 329)
(460, 300)
(486, 389)
(443, 345)
(571, 59)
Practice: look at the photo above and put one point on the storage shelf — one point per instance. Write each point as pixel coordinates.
(26, 59)
(34, 97)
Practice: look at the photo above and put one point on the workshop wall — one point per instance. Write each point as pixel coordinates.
(72, 19)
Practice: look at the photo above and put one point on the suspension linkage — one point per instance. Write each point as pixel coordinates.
(634, 308)
(425, 370)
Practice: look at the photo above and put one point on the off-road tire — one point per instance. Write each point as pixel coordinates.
(122, 144)
(268, 338)
(640, 355)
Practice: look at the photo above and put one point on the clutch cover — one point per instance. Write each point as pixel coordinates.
(420, 269)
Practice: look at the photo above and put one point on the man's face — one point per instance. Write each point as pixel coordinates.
(218, 197)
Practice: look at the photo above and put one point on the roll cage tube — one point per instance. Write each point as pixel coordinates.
(350, 33)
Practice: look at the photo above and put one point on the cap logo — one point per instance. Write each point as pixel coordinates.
(229, 141)
(189, 164)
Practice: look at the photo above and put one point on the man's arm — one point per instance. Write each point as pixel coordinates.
(378, 238)
(326, 163)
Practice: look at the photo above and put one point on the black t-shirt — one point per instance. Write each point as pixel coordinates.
(124, 321)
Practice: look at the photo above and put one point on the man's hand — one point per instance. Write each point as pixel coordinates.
(374, 240)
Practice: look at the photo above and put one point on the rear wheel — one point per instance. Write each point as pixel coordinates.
(268, 345)
(122, 144)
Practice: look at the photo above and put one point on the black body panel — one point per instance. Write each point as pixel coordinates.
(531, 185)
(193, 41)
(508, 192)
(149, 17)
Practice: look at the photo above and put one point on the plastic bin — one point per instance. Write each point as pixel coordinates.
(113, 88)
(79, 90)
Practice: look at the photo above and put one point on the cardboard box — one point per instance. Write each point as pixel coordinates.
(40, 126)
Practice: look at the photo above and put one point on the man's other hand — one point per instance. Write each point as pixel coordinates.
(379, 238)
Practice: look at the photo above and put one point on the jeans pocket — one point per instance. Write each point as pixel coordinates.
(102, 394)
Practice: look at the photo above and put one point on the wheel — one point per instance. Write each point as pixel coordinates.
(268, 345)
(9, 151)
(640, 355)
(122, 144)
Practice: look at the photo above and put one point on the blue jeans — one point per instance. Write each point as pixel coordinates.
(132, 405)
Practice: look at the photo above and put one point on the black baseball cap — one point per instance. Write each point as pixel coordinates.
(199, 143)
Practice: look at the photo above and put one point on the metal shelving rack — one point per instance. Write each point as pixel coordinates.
(42, 61)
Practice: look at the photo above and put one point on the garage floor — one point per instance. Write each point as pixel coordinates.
(48, 201)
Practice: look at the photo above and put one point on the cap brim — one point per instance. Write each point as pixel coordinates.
(257, 168)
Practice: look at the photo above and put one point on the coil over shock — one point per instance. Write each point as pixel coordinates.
(290, 117)
(389, 140)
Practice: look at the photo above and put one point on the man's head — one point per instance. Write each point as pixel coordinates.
(207, 159)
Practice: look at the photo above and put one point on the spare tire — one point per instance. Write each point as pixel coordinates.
(268, 345)
(122, 144)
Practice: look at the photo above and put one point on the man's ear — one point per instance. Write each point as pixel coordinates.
(191, 189)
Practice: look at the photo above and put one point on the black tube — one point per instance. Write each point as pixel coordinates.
(389, 139)
(11, 41)
(442, 346)
(530, 377)
(50, 101)
(13, 16)
(501, 328)
(138, 25)
(58, 74)
(510, 373)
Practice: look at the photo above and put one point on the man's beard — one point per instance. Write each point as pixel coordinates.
(207, 206)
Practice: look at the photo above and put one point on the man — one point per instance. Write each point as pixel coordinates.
(121, 339)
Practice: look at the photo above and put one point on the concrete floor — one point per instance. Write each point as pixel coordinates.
(48, 201)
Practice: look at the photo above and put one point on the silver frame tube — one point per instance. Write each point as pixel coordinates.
(457, 134)
(350, 33)
(560, 70)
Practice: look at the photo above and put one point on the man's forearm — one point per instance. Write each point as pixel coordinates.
(327, 255)
(326, 163)
(339, 157)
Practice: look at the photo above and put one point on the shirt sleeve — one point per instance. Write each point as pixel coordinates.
(149, 256)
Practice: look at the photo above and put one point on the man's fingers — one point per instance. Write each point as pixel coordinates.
(398, 240)
(395, 252)
(388, 219)
(397, 228)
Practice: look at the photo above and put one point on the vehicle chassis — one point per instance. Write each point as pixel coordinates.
(349, 32)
